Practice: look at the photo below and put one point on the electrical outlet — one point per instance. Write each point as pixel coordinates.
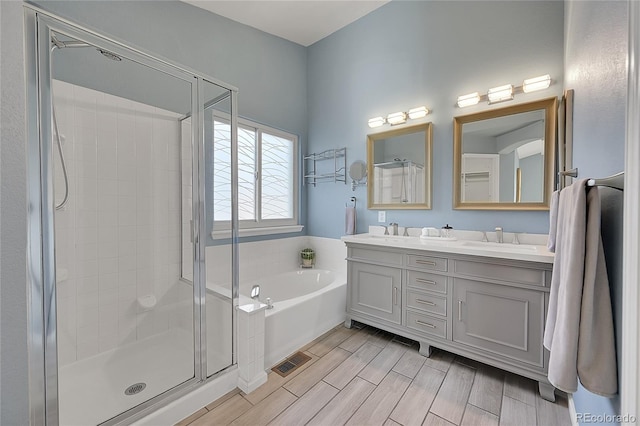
(382, 216)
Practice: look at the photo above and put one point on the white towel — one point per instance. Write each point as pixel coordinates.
(579, 328)
(350, 221)
(553, 221)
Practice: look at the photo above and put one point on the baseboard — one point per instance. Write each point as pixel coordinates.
(572, 410)
(258, 380)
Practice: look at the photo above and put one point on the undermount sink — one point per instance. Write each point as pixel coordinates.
(504, 247)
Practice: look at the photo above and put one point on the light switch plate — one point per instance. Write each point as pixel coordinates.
(382, 216)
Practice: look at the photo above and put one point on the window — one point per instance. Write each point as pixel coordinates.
(267, 177)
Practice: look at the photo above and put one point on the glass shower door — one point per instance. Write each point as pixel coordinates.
(125, 317)
(219, 201)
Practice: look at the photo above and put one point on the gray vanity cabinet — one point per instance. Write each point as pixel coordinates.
(375, 291)
(502, 320)
(488, 309)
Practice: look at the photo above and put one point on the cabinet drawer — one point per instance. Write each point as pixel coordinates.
(426, 281)
(427, 262)
(514, 274)
(426, 324)
(426, 302)
(386, 257)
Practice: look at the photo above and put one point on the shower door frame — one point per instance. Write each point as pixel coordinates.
(41, 285)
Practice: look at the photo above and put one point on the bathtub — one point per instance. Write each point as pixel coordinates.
(306, 304)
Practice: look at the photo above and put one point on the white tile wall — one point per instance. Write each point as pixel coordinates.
(119, 235)
(271, 257)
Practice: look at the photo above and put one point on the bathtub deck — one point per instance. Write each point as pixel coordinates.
(366, 376)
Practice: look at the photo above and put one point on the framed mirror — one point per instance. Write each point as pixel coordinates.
(503, 159)
(399, 168)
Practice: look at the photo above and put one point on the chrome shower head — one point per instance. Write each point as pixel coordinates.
(109, 55)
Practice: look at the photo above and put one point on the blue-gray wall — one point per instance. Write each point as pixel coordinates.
(408, 54)
(270, 72)
(595, 67)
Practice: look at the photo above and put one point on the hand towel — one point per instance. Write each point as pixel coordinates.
(597, 367)
(553, 221)
(579, 328)
(350, 221)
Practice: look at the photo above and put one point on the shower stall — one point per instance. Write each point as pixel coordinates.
(121, 192)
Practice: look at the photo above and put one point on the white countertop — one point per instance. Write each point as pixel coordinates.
(527, 252)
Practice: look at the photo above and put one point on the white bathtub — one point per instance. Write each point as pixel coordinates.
(306, 304)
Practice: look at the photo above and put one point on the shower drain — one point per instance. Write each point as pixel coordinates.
(134, 389)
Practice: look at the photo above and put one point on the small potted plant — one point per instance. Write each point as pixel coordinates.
(308, 256)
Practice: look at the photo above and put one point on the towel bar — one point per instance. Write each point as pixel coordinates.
(615, 181)
(571, 173)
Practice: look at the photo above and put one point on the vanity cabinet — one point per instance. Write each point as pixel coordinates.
(488, 309)
(376, 291)
(502, 320)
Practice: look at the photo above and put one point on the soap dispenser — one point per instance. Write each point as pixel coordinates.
(446, 231)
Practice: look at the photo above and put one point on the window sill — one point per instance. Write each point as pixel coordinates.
(252, 232)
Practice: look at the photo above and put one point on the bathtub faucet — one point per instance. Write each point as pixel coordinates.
(255, 292)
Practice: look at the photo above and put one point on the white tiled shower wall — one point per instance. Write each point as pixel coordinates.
(118, 237)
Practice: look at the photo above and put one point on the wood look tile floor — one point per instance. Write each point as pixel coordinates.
(364, 376)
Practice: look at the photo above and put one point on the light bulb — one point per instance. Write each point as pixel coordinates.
(468, 100)
(500, 93)
(376, 121)
(536, 83)
(397, 118)
(418, 112)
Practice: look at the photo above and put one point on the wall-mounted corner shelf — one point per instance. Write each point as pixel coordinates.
(314, 173)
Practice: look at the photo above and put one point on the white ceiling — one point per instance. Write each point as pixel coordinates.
(301, 21)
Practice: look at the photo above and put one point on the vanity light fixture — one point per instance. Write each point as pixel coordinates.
(399, 117)
(536, 83)
(419, 112)
(377, 121)
(500, 94)
(506, 92)
(468, 100)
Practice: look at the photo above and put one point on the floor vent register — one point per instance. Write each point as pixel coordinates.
(290, 364)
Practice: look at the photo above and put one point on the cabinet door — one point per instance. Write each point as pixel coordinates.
(375, 291)
(499, 319)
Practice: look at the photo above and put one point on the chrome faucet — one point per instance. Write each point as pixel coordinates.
(499, 234)
(394, 226)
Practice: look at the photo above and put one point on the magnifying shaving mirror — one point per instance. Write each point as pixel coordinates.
(358, 173)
